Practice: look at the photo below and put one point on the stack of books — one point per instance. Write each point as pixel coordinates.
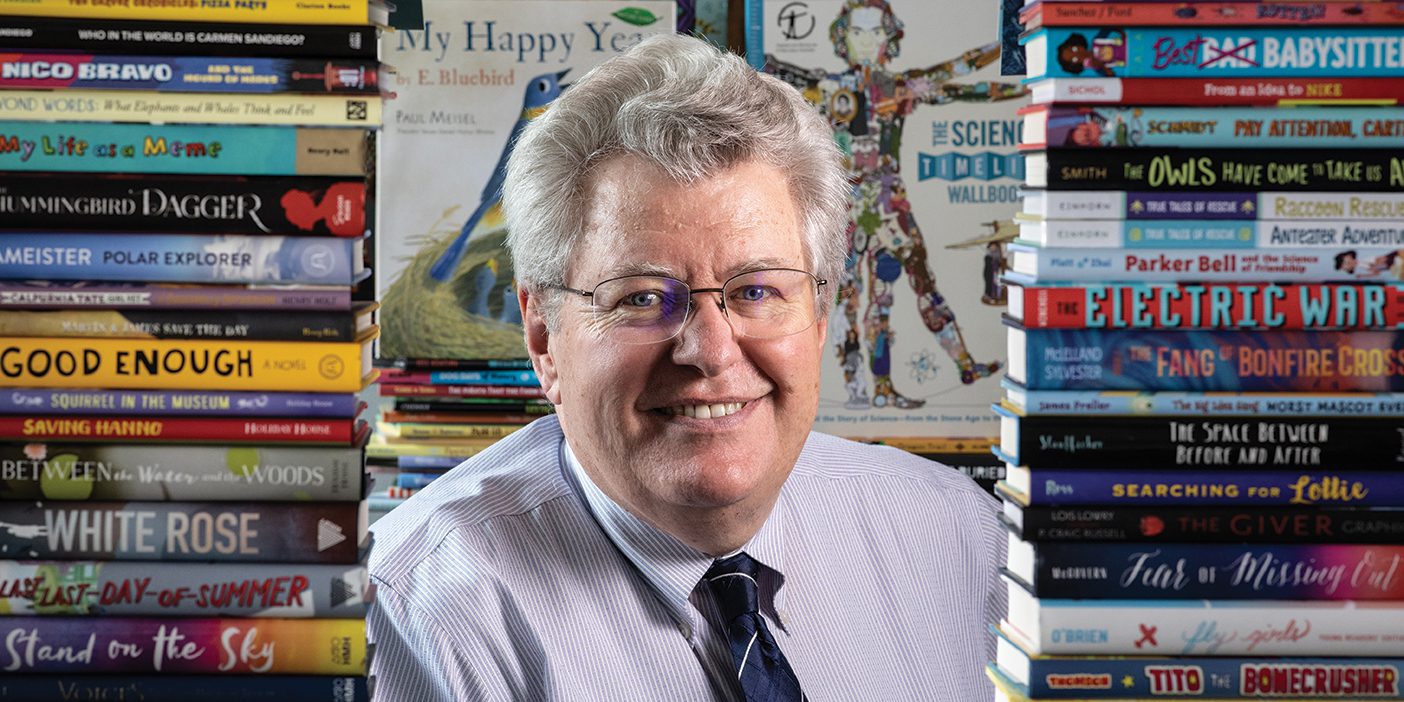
(182, 470)
(1202, 419)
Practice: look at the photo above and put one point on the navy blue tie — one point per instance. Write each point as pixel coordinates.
(761, 668)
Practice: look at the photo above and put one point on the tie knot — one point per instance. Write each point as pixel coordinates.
(735, 585)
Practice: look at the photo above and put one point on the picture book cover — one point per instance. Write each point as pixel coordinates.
(467, 83)
(930, 132)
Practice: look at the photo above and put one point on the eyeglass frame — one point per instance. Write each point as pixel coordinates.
(819, 283)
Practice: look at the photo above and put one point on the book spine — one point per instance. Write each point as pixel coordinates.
(1062, 14)
(1219, 92)
(1094, 127)
(165, 645)
(1116, 168)
(1213, 234)
(219, 205)
(436, 464)
(414, 365)
(1189, 627)
(124, 589)
(307, 12)
(1093, 402)
(182, 688)
(246, 532)
(214, 258)
(1302, 361)
(182, 324)
(1285, 265)
(1133, 486)
(1217, 571)
(1209, 524)
(1246, 52)
(461, 409)
(524, 378)
(415, 481)
(1212, 677)
(138, 364)
(383, 450)
(186, 149)
(188, 74)
(1213, 306)
(30, 401)
(47, 471)
(458, 418)
(1139, 205)
(394, 389)
(179, 38)
(122, 428)
(1230, 443)
(67, 295)
(423, 430)
(83, 105)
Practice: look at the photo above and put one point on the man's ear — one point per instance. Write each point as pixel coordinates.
(538, 344)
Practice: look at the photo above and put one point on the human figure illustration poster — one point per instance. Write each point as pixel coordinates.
(928, 128)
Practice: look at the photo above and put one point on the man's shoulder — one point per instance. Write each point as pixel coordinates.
(830, 458)
(515, 476)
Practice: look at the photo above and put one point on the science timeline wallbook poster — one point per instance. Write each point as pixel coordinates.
(928, 128)
(465, 85)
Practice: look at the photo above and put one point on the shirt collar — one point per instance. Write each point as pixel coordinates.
(669, 566)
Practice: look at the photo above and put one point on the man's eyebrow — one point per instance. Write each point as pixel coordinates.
(645, 268)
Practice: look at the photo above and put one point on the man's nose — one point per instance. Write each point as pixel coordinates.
(707, 340)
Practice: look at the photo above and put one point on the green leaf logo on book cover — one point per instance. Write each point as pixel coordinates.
(637, 16)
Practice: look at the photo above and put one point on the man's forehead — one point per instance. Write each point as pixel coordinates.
(621, 268)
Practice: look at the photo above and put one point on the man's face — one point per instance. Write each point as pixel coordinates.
(616, 402)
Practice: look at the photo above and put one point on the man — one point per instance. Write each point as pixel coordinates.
(675, 532)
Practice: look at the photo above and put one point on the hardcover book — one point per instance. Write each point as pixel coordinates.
(227, 39)
(466, 84)
(301, 12)
(1197, 524)
(1093, 127)
(1138, 205)
(929, 133)
(82, 105)
(1206, 169)
(195, 74)
(1245, 92)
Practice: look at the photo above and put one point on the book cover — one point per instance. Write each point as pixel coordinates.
(301, 12)
(1260, 525)
(516, 392)
(465, 86)
(247, 532)
(1206, 627)
(197, 74)
(499, 376)
(1093, 127)
(194, 403)
(149, 472)
(231, 430)
(140, 364)
(1246, 52)
(1244, 92)
(929, 132)
(188, 149)
(1277, 404)
(1218, 360)
(183, 688)
(165, 645)
(83, 105)
(181, 258)
(120, 589)
(1137, 486)
(1159, 265)
(1206, 305)
(180, 38)
(1194, 14)
(234, 325)
(1138, 205)
(1118, 168)
(1208, 571)
(187, 204)
(52, 294)
(1209, 234)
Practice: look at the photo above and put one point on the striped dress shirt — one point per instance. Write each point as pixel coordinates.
(513, 577)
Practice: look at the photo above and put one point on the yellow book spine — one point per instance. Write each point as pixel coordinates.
(421, 430)
(150, 364)
(256, 11)
(195, 108)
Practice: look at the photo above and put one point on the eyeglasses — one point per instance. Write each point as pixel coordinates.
(648, 309)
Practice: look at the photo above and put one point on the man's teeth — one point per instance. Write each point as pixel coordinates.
(706, 411)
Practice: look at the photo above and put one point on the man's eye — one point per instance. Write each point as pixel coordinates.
(646, 298)
(753, 293)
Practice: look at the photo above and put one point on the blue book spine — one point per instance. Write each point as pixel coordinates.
(1133, 486)
(427, 463)
(188, 74)
(1093, 127)
(525, 378)
(1175, 265)
(178, 403)
(1112, 204)
(414, 481)
(1223, 404)
(1217, 52)
(1211, 361)
(1336, 235)
(175, 258)
(183, 688)
(92, 147)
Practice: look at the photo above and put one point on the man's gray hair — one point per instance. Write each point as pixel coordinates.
(690, 109)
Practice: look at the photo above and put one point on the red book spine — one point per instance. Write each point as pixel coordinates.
(315, 431)
(1311, 306)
